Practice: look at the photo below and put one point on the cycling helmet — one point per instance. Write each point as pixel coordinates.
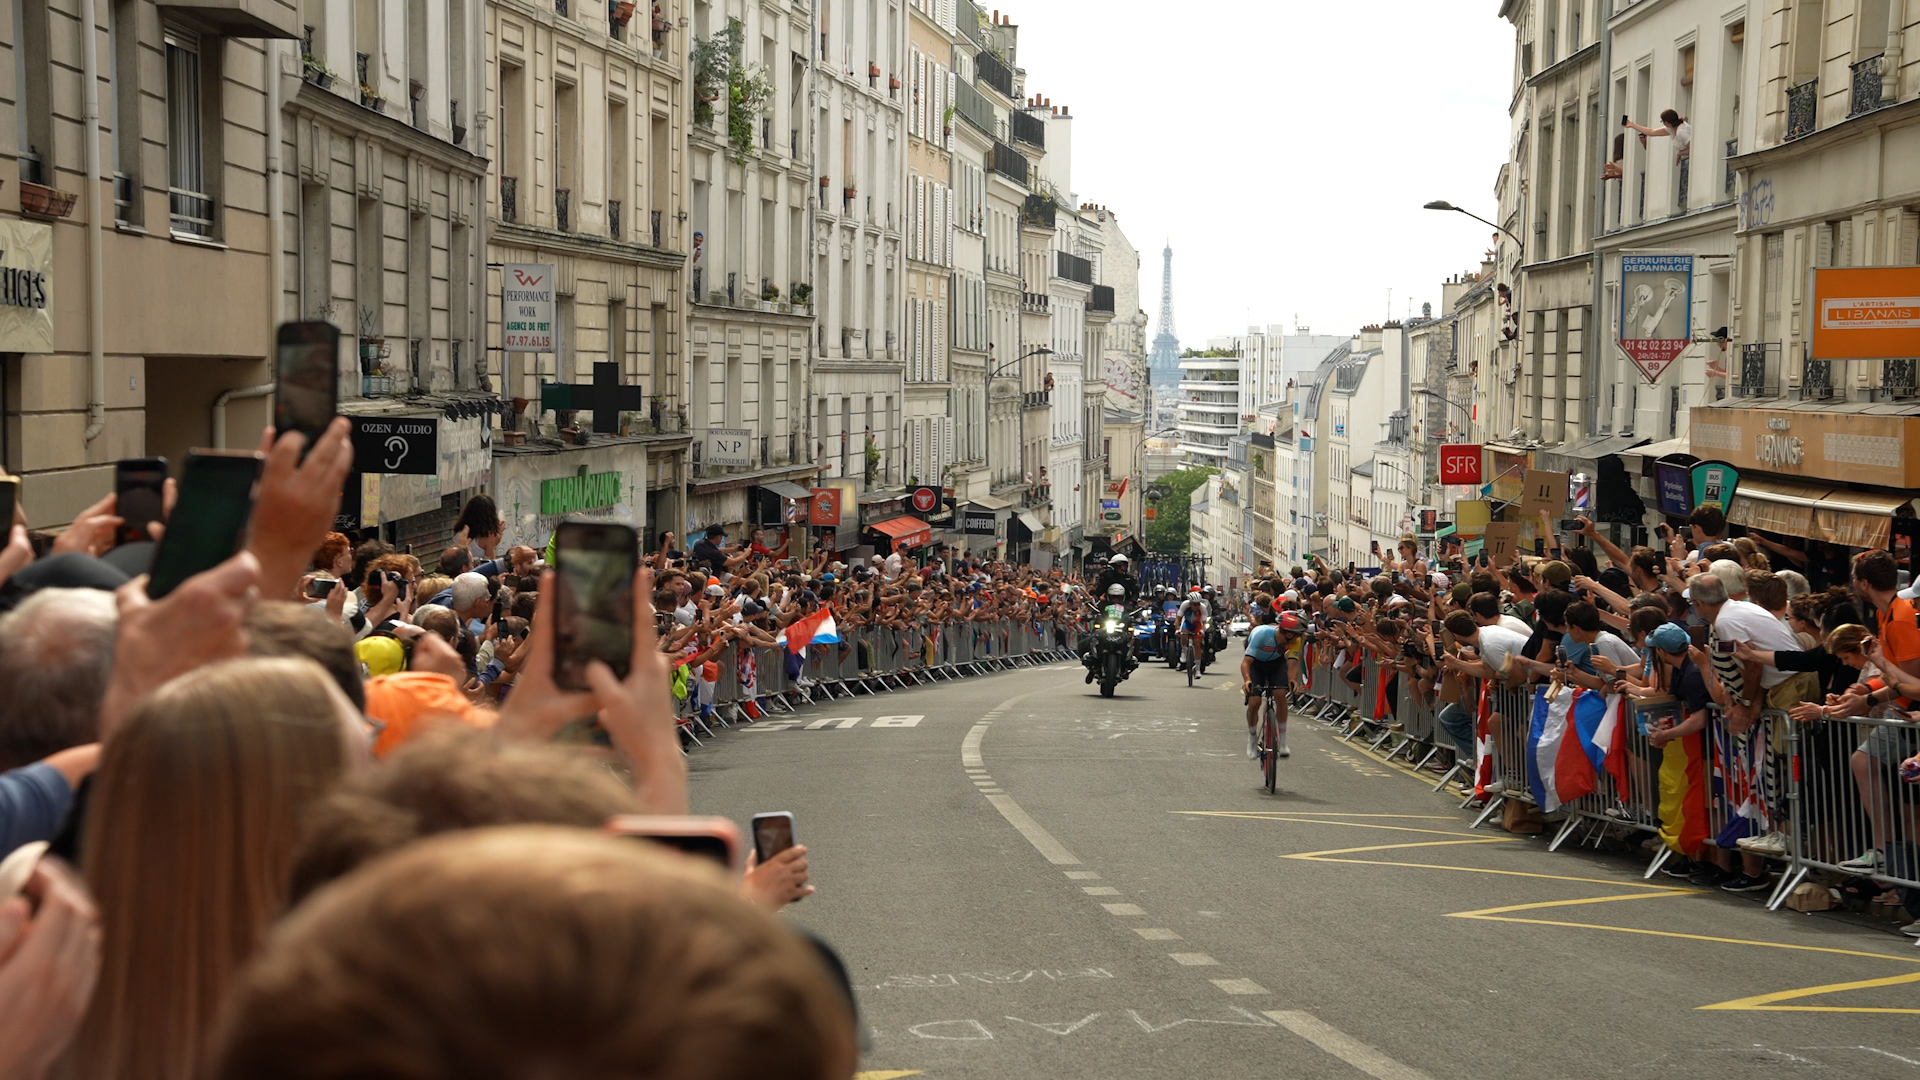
(1116, 589)
(1208, 591)
(1290, 622)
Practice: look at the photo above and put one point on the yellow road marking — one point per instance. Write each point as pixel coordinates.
(1759, 1003)
(888, 1074)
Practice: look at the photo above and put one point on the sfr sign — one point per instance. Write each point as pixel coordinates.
(1460, 463)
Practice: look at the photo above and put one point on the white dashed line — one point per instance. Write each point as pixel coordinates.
(1156, 933)
(1083, 875)
(1123, 909)
(1239, 986)
(1099, 890)
(1346, 1047)
(1193, 959)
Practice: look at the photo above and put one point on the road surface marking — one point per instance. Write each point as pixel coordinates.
(1345, 1047)
(887, 1074)
(906, 720)
(1156, 933)
(992, 791)
(970, 746)
(1042, 840)
(850, 721)
(1059, 1029)
(964, 1031)
(1239, 986)
(825, 720)
(1099, 890)
(1083, 875)
(1252, 1020)
(1193, 959)
(1123, 909)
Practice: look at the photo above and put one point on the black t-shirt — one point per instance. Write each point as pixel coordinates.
(1689, 689)
(708, 553)
(1542, 638)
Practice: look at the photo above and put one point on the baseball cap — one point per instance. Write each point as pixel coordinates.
(1670, 638)
(380, 655)
(1344, 603)
(715, 590)
(1556, 573)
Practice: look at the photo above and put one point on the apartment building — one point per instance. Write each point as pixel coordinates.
(379, 194)
(142, 217)
(972, 121)
(750, 323)
(859, 133)
(586, 132)
(932, 207)
(1122, 354)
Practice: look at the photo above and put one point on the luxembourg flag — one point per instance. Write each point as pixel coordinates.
(1574, 734)
(816, 629)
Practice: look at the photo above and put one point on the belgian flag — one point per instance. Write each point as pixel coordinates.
(1683, 794)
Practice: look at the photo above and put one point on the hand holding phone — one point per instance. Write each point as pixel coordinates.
(216, 501)
(306, 371)
(139, 486)
(594, 600)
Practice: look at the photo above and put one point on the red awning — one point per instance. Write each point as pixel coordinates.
(906, 532)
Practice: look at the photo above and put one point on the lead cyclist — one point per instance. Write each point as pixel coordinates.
(1271, 659)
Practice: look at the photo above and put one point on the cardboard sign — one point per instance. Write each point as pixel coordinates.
(1502, 541)
(1470, 518)
(1543, 491)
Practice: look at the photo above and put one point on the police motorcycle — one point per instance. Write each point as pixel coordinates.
(1108, 647)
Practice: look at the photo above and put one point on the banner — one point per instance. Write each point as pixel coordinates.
(526, 307)
(1656, 310)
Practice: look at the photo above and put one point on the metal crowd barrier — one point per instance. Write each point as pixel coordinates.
(1847, 801)
(1512, 708)
(1635, 808)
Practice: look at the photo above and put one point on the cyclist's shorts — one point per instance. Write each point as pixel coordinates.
(1267, 673)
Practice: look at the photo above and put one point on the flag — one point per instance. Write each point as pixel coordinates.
(1383, 677)
(1683, 794)
(815, 629)
(1483, 741)
(1575, 733)
(1739, 782)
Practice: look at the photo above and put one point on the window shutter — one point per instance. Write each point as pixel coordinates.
(940, 341)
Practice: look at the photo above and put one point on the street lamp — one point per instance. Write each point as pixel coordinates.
(1039, 351)
(1442, 204)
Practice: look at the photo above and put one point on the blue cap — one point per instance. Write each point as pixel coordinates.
(1671, 638)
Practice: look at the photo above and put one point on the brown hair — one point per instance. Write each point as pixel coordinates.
(287, 628)
(194, 814)
(575, 954)
(405, 565)
(1847, 638)
(452, 777)
(1767, 589)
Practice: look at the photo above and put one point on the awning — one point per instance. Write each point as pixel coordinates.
(786, 489)
(906, 532)
(1651, 451)
(991, 503)
(1593, 448)
(1861, 519)
(1029, 522)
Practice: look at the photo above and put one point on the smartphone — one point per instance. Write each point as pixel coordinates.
(713, 838)
(306, 372)
(1569, 524)
(1663, 530)
(209, 519)
(1724, 647)
(320, 588)
(772, 834)
(499, 609)
(1560, 653)
(596, 564)
(138, 485)
(9, 498)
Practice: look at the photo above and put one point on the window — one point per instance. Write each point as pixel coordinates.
(124, 44)
(30, 95)
(189, 205)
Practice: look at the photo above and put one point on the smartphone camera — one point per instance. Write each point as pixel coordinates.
(320, 588)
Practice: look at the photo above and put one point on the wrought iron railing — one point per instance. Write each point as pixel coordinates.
(1756, 361)
(1072, 267)
(991, 71)
(613, 218)
(560, 6)
(1037, 210)
(1034, 302)
(654, 221)
(1803, 108)
(1029, 129)
(562, 209)
(1686, 171)
(1733, 151)
(122, 197)
(1008, 162)
(1816, 380)
(509, 198)
(1867, 86)
(733, 287)
(1102, 299)
(191, 212)
(1900, 377)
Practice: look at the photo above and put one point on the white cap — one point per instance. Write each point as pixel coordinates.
(1289, 595)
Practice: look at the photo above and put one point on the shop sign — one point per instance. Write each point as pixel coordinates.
(1675, 488)
(977, 521)
(1778, 447)
(573, 494)
(728, 446)
(406, 445)
(1656, 310)
(925, 500)
(1714, 483)
(824, 507)
(26, 282)
(526, 307)
(1865, 312)
(1460, 463)
(1471, 516)
(1849, 448)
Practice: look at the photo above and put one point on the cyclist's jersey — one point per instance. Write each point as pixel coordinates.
(1263, 644)
(1193, 614)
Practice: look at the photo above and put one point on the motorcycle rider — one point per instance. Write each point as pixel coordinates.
(1117, 573)
(1115, 596)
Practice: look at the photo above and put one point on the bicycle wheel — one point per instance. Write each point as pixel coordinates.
(1193, 662)
(1270, 737)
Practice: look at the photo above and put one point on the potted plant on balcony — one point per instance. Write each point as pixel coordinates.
(369, 97)
(893, 83)
(769, 292)
(873, 71)
(315, 72)
(619, 11)
(43, 201)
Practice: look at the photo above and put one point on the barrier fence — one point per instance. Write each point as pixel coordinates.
(743, 684)
(1813, 797)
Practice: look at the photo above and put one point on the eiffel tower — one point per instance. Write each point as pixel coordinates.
(1163, 365)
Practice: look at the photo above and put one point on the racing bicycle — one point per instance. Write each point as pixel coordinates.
(1268, 745)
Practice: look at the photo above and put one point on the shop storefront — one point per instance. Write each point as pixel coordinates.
(634, 481)
(905, 535)
(1837, 477)
(437, 460)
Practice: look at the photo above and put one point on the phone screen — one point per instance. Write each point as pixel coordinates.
(138, 484)
(595, 596)
(320, 588)
(306, 366)
(1723, 647)
(772, 834)
(9, 497)
(216, 498)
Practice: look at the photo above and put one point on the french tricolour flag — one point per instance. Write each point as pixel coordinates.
(1575, 734)
(816, 629)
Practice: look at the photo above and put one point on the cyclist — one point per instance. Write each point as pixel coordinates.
(1192, 622)
(1272, 659)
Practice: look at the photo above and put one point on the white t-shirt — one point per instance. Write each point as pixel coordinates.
(1517, 625)
(1682, 139)
(1744, 620)
(1499, 644)
(1613, 648)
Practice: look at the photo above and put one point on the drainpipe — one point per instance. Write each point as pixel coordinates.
(479, 113)
(276, 196)
(1890, 63)
(1597, 343)
(220, 408)
(96, 209)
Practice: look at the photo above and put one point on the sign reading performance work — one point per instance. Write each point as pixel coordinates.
(1656, 310)
(407, 445)
(526, 307)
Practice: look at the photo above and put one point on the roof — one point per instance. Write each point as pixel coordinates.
(1352, 371)
(1321, 373)
(1365, 468)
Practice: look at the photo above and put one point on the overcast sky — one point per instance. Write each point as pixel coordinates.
(1285, 148)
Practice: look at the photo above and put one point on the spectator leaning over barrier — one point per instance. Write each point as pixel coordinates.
(1678, 677)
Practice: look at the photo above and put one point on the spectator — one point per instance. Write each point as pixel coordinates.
(53, 672)
(284, 628)
(49, 962)
(1706, 525)
(35, 799)
(187, 844)
(1673, 126)
(479, 527)
(455, 561)
(577, 955)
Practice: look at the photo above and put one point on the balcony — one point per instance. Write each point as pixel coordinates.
(563, 209)
(1036, 399)
(973, 106)
(1732, 151)
(613, 218)
(1686, 170)
(1867, 86)
(1072, 267)
(1037, 495)
(1029, 129)
(1803, 107)
(509, 198)
(1102, 299)
(1008, 162)
(988, 69)
(1033, 303)
(655, 216)
(1037, 210)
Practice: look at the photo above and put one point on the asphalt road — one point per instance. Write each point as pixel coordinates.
(1028, 880)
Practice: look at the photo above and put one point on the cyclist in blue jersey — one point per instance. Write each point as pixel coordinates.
(1272, 659)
